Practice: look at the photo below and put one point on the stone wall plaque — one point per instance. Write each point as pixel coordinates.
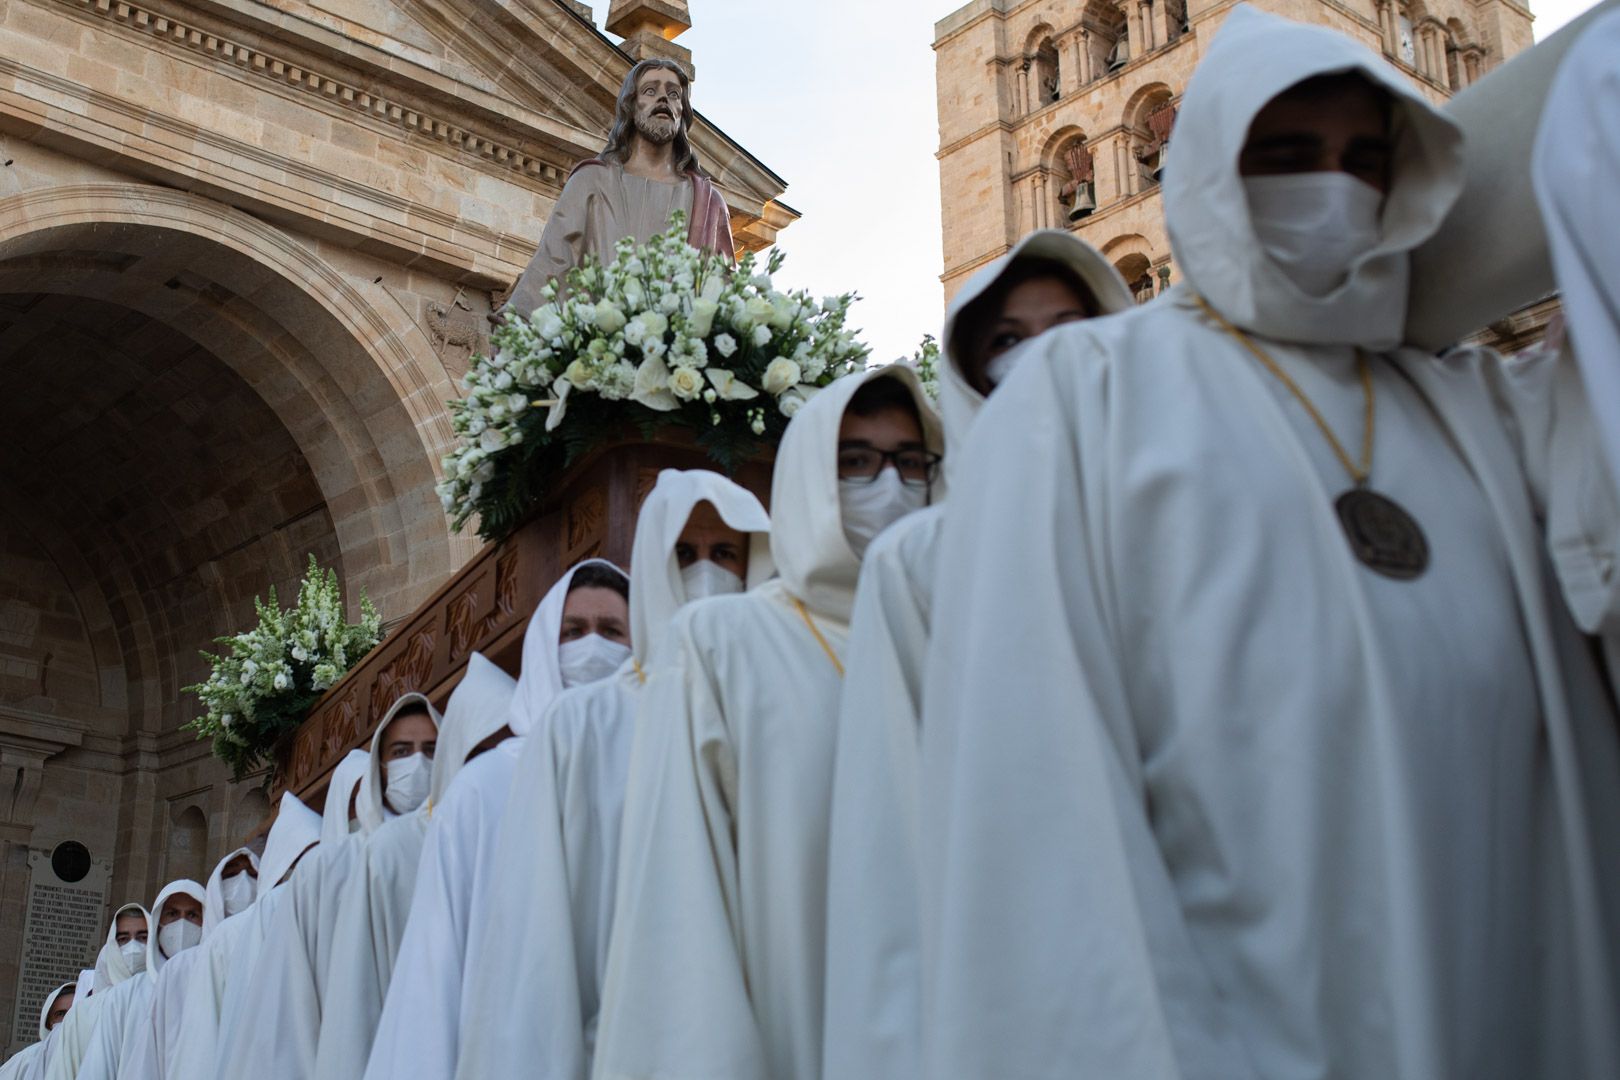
(62, 933)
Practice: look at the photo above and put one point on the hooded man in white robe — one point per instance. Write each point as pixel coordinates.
(150, 1042)
(1049, 278)
(1220, 778)
(377, 902)
(232, 948)
(176, 923)
(714, 967)
(25, 1062)
(122, 957)
(542, 941)
(579, 633)
(283, 998)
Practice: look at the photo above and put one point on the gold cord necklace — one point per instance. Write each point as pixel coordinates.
(1381, 533)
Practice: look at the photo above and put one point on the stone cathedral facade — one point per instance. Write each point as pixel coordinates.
(247, 248)
(1046, 102)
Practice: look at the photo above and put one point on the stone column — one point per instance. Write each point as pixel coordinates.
(1133, 30)
(1023, 108)
(1082, 57)
(1386, 28)
(1144, 15)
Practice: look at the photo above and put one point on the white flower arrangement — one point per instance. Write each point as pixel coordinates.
(664, 334)
(925, 362)
(265, 681)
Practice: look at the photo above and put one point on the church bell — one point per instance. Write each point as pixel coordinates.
(1084, 201)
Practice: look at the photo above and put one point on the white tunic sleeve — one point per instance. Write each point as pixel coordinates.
(1030, 761)
(675, 1003)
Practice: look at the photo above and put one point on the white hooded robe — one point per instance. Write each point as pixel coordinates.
(542, 943)
(377, 903)
(715, 963)
(419, 1029)
(873, 981)
(127, 1007)
(1202, 795)
(20, 1065)
(231, 950)
(79, 1027)
(282, 999)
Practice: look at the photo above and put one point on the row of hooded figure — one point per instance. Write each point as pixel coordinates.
(1138, 756)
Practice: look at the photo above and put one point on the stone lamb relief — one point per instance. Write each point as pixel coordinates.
(645, 173)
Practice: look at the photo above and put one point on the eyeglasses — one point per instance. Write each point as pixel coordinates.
(866, 463)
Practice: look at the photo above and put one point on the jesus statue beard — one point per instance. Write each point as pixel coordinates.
(657, 130)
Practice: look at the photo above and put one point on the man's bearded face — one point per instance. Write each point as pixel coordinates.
(658, 106)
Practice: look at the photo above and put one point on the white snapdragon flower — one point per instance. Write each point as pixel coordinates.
(761, 335)
(725, 345)
(780, 374)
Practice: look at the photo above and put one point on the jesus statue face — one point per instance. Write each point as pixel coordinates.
(659, 104)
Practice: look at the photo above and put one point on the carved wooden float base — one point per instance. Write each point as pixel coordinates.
(485, 606)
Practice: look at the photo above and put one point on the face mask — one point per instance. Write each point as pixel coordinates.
(408, 782)
(134, 954)
(590, 658)
(178, 936)
(869, 507)
(237, 891)
(704, 578)
(1314, 225)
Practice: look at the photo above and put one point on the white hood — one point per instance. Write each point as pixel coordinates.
(540, 678)
(369, 806)
(656, 591)
(296, 828)
(959, 403)
(111, 967)
(348, 775)
(1253, 58)
(86, 986)
(154, 955)
(50, 999)
(808, 546)
(478, 707)
(214, 893)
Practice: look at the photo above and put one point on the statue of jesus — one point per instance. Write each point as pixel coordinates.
(647, 171)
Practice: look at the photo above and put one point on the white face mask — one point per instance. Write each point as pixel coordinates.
(409, 779)
(134, 954)
(1001, 366)
(178, 936)
(590, 658)
(238, 891)
(869, 507)
(704, 578)
(1314, 225)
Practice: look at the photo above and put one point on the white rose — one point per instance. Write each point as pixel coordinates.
(653, 323)
(578, 374)
(781, 374)
(758, 310)
(725, 344)
(761, 335)
(728, 386)
(686, 383)
(702, 320)
(791, 402)
(609, 317)
(635, 333)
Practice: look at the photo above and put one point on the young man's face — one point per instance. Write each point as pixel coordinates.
(239, 864)
(863, 440)
(59, 1009)
(1333, 124)
(129, 927)
(1031, 308)
(407, 734)
(708, 537)
(181, 906)
(590, 610)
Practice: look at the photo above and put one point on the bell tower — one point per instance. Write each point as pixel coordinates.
(649, 28)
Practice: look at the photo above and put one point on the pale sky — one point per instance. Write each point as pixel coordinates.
(837, 97)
